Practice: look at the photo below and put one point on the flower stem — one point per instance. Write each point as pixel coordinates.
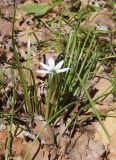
(48, 98)
(51, 95)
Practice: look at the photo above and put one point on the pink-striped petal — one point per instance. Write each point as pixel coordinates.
(51, 63)
(59, 65)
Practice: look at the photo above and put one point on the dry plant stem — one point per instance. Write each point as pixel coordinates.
(8, 143)
(9, 139)
(23, 83)
(114, 82)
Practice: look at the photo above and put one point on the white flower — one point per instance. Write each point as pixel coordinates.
(52, 68)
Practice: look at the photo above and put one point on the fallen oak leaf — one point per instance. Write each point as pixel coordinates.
(86, 148)
(47, 136)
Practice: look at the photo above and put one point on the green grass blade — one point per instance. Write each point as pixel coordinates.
(93, 107)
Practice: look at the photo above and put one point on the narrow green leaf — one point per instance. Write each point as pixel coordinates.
(37, 9)
(94, 108)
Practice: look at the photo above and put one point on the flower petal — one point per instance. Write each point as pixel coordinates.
(59, 65)
(51, 63)
(45, 66)
(43, 71)
(62, 70)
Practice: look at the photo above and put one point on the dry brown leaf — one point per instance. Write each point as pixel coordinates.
(17, 145)
(104, 108)
(5, 27)
(110, 123)
(103, 18)
(47, 136)
(95, 150)
(112, 148)
(35, 153)
(61, 130)
(64, 142)
(86, 149)
(99, 20)
(19, 157)
(79, 147)
(102, 86)
(3, 137)
(40, 153)
(7, 11)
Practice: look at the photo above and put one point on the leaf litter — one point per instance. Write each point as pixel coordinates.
(60, 140)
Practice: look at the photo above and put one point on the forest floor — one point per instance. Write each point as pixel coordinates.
(30, 37)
